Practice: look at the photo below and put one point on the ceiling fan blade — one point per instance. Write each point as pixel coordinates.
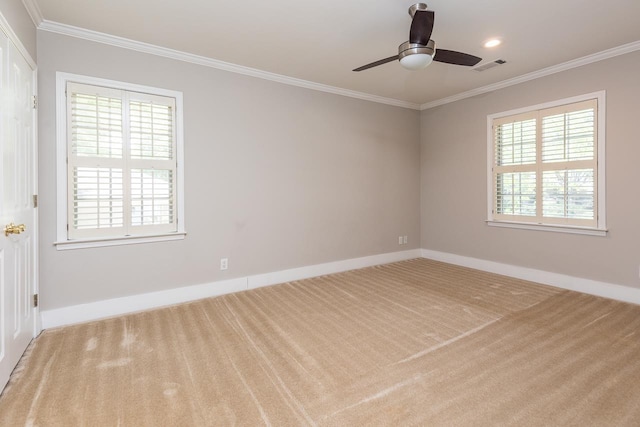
(421, 27)
(375, 64)
(456, 58)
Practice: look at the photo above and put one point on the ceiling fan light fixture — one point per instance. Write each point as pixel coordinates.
(415, 56)
(417, 61)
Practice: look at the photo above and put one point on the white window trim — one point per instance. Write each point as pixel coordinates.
(62, 242)
(601, 228)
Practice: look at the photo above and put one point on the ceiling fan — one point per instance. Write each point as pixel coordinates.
(420, 50)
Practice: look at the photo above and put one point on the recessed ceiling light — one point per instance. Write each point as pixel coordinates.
(492, 43)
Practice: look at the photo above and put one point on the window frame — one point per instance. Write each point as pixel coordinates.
(518, 222)
(63, 241)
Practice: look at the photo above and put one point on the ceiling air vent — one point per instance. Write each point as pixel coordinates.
(491, 64)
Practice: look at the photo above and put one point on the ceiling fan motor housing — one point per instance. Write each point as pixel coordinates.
(407, 48)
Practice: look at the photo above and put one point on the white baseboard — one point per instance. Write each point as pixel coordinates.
(130, 304)
(117, 306)
(587, 286)
(260, 280)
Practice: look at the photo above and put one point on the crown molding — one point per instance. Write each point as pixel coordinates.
(121, 42)
(34, 11)
(95, 36)
(600, 56)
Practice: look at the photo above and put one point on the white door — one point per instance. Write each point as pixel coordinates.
(17, 170)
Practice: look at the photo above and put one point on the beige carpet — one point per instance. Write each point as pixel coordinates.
(411, 343)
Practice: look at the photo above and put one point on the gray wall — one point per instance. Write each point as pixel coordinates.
(454, 178)
(276, 177)
(21, 24)
(280, 177)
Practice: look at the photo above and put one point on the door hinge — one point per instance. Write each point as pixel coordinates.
(35, 200)
(35, 102)
(35, 300)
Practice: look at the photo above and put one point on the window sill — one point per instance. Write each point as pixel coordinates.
(116, 241)
(553, 228)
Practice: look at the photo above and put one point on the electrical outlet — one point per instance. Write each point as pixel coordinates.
(404, 240)
(224, 263)
(399, 240)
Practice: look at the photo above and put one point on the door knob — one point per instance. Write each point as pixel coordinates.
(13, 229)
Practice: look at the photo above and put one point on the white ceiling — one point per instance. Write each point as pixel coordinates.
(322, 42)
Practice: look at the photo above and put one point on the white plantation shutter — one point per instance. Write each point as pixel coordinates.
(97, 199)
(151, 197)
(151, 119)
(545, 166)
(121, 163)
(152, 163)
(515, 166)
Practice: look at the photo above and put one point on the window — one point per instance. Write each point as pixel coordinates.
(547, 166)
(121, 151)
